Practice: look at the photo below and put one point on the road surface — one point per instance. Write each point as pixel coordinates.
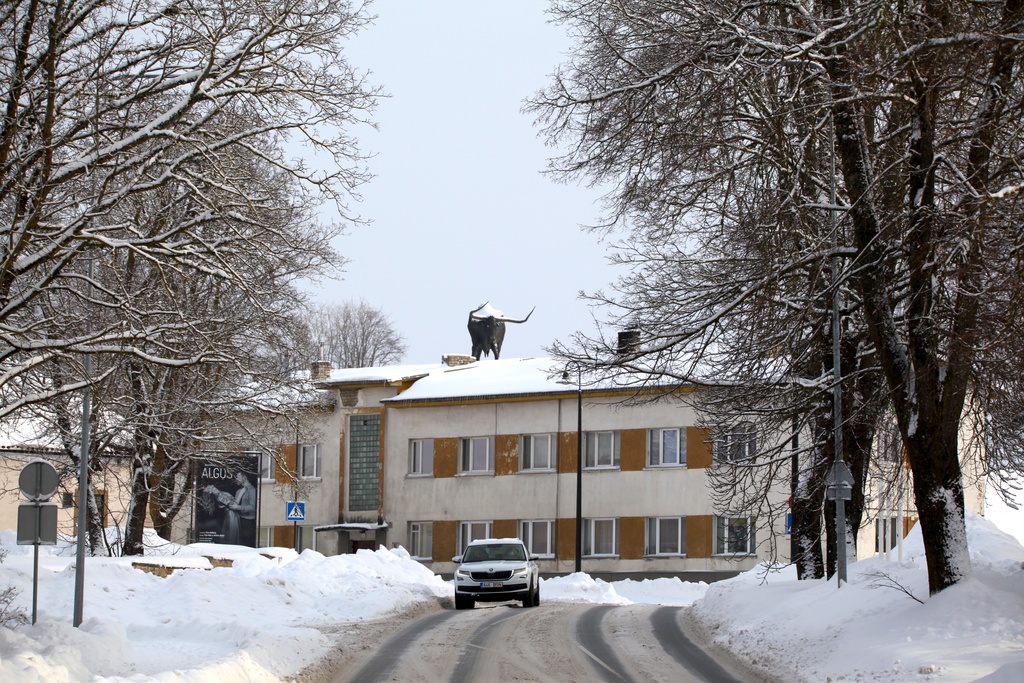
(501, 643)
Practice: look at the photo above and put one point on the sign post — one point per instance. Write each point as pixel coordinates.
(839, 487)
(37, 518)
(295, 512)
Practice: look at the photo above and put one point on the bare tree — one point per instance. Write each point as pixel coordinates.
(714, 122)
(111, 104)
(352, 335)
(162, 415)
(154, 223)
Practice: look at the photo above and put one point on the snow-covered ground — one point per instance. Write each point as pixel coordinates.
(242, 623)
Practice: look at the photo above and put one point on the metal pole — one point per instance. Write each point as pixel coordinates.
(35, 569)
(83, 484)
(295, 486)
(837, 392)
(579, 469)
(794, 482)
(83, 455)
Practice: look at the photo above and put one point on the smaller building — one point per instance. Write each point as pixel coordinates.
(111, 492)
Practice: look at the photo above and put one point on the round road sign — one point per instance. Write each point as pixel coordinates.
(38, 480)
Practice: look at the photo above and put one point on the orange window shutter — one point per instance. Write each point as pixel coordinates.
(505, 528)
(444, 540)
(631, 537)
(698, 447)
(633, 450)
(285, 464)
(567, 452)
(506, 456)
(699, 535)
(446, 457)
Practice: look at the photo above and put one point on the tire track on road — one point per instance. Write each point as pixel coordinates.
(591, 639)
(477, 647)
(384, 661)
(673, 640)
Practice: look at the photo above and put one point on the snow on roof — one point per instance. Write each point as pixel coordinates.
(506, 377)
(385, 374)
(18, 433)
(477, 379)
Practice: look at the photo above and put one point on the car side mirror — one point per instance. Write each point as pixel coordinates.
(457, 559)
(534, 558)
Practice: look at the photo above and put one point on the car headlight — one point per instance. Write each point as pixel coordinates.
(522, 571)
(462, 573)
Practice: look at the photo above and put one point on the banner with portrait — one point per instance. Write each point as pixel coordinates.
(227, 499)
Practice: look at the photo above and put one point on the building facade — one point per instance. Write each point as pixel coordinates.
(436, 456)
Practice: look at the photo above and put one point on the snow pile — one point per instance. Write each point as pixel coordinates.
(582, 588)
(882, 626)
(221, 624)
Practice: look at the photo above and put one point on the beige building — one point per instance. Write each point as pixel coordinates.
(435, 456)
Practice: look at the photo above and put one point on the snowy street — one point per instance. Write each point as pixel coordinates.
(554, 643)
(276, 616)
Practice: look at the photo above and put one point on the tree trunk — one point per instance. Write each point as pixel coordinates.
(939, 497)
(96, 538)
(912, 374)
(807, 531)
(136, 522)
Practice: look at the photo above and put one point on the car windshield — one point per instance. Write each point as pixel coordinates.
(494, 551)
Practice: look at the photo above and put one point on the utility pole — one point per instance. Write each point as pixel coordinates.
(837, 374)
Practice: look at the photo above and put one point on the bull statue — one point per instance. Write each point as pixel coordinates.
(487, 329)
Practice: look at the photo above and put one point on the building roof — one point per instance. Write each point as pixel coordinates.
(479, 381)
(487, 379)
(384, 375)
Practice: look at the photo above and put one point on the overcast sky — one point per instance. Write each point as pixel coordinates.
(461, 211)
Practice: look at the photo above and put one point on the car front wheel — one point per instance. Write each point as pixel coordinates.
(464, 602)
(532, 598)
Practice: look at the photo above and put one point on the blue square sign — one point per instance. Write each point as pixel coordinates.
(296, 511)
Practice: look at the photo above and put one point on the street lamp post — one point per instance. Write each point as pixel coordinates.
(579, 462)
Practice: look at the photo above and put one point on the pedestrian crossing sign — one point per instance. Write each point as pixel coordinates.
(296, 511)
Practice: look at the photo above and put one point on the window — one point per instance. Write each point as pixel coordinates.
(734, 536)
(537, 452)
(886, 533)
(737, 442)
(265, 537)
(309, 461)
(471, 531)
(600, 537)
(364, 462)
(266, 467)
(666, 447)
(421, 540)
(475, 454)
(602, 450)
(539, 536)
(421, 456)
(666, 536)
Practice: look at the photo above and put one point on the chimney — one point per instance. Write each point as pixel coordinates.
(321, 369)
(629, 340)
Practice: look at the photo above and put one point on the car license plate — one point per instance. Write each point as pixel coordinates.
(490, 584)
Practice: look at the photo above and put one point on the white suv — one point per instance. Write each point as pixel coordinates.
(495, 570)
